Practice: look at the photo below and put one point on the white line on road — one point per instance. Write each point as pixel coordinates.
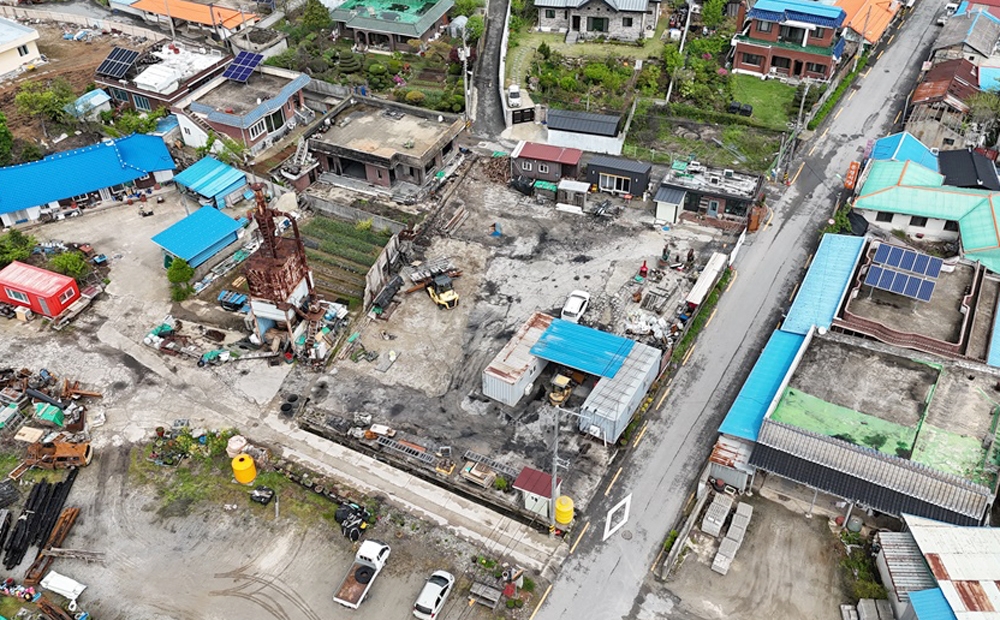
(609, 529)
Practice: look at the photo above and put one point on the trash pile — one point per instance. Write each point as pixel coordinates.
(25, 394)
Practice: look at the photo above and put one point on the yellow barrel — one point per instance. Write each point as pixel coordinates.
(245, 472)
(564, 510)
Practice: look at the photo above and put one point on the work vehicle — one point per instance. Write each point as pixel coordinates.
(575, 306)
(368, 563)
(442, 292)
(514, 96)
(561, 388)
(54, 455)
(434, 595)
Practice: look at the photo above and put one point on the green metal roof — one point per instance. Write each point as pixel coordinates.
(403, 17)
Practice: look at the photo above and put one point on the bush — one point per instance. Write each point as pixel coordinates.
(510, 603)
(71, 264)
(529, 585)
(474, 29)
(832, 101)
(15, 245)
(668, 544)
(500, 483)
(179, 271)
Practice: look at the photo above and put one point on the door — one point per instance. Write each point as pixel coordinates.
(43, 304)
(576, 23)
(523, 115)
(798, 68)
(713, 208)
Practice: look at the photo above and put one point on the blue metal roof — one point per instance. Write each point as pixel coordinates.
(808, 12)
(87, 102)
(931, 605)
(751, 404)
(196, 233)
(210, 177)
(266, 107)
(993, 358)
(989, 78)
(903, 146)
(83, 170)
(825, 283)
(582, 348)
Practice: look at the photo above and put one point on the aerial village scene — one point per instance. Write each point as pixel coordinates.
(499, 309)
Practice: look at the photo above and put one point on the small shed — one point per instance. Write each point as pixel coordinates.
(619, 176)
(457, 26)
(45, 292)
(217, 184)
(512, 373)
(536, 490)
(89, 106)
(669, 204)
(595, 133)
(572, 193)
(198, 237)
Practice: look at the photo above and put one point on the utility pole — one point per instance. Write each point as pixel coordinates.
(798, 122)
(170, 20)
(555, 474)
(864, 39)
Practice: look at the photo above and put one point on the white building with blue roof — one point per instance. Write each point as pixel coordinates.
(18, 46)
(102, 172)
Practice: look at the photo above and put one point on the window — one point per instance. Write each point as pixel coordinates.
(118, 94)
(22, 50)
(626, 22)
(781, 63)
(543, 168)
(918, 222)
(948, 141)
(141, 103)
(16, 295)
(883, 216)
(792, 34)
(812, 67)
(597, 24)
(66, 295)
(753, 59)
(275, 120)
(951, 226)
(257, 129)
(550, 14)
(764, 26)
(526, 166)
(187, 130)
(819, 33)
(612, 183)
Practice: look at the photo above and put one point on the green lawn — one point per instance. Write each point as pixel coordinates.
(770, 99)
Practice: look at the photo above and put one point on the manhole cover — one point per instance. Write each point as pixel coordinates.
(627, 535)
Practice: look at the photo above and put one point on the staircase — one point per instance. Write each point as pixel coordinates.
(572, 37)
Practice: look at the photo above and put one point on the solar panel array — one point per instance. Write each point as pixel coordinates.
(908, 260)
(118, 62)
(899, 283)
(242, 66)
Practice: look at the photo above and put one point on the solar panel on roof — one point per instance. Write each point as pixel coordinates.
(920, 266)
(242, 66)
(926, 290)
(899, 284)
(908, 285)
(874, 273)
(908, 260)
(882, 253)
(906, 264)
(118, 62)
(912, 287)
(895, 255)
(934, 267)
(885, 282)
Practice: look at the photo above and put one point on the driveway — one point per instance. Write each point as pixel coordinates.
(489, 109)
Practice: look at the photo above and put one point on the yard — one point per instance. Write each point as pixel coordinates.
(771, 100)
(340, 255)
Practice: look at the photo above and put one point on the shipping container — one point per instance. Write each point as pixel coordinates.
(512, 373)
(613, 401)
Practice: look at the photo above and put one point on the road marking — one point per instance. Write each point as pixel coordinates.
(803, 164)
(540, 601)
(865, 74)
(711, 316)
(685, 360)
(810, 154)
(879, 55)
(733, 279)
(613, 481)
(790, 297)
(837, 115)
(659, 555)
(890, 40)
(578, 538)
(770, 216)
(851, 96)
(641, 433)
(626, 505)
(898, 114)
(809, 261)
(823, 135)
(662, 398)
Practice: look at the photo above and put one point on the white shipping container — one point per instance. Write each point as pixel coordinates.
(512, 373)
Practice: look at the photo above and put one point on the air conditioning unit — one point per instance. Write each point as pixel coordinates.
(727, 173)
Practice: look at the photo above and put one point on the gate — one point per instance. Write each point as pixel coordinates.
(525, 115)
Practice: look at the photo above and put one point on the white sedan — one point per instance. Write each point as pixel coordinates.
(432, 598)
(575, 306)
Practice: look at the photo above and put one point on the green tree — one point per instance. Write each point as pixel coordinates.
(466, 7)
(179, 272)
(71, 264)
(673, 60)
(713, 12)
(316, 16)
(6, 141)
(131, 122)
(30, 152)
(544, 50)
(46, 100)
(15, 245)
(474, 29)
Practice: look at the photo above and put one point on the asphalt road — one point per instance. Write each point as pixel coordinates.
(611, 579)
(489, 110)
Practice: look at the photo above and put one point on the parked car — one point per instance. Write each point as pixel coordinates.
(432, 598)
(575, 306)
(514, 96)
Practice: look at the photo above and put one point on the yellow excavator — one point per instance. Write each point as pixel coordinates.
(442, 292)
(561, 387)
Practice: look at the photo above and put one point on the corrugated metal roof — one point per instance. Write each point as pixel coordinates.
(886, 483)
(361, 20)
(196, 233)
(536, 482)
(611, 396)
(87, 102)
(872, 16)
(931, 605)
(515, 357)
(205, 14)
(825, 284)
(547, 152)
(907, 568)
(952, 81)
(993, 358)
(760, 388)
(583, 122)
(969, 169)
(989, 78)
(583, 348)
(620, 163)
(31, 279)
(80, 171)
(808, 12)
(210, 177)
(628, 6)
(903, 146)
(977, 29)
(885, 174)
(669, 195)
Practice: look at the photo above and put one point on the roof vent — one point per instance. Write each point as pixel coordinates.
(935, 151)
(727, 173)
(108, 142)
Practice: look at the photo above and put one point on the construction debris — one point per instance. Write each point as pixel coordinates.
(496, 169)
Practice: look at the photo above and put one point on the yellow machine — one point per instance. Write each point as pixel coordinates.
(562, 387)
(442, 292)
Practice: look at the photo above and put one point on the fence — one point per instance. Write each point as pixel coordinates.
(27, 14)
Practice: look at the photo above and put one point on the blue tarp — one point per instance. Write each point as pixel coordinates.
(748, 410)
(931, 605)
(823, 287)
(904, 147)
(213, 179)
(81, 171)
(582, 348)
(194, 237)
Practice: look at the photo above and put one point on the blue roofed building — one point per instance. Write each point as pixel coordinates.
(103, 172)
(89, 105)
(214, 182)
(790, 39)
(198, 237)
(903, 146)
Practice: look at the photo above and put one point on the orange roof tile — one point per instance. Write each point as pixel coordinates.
(197, 13)
(877, 13)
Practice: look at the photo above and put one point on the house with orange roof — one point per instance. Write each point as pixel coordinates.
(868, 18)
(191, 18)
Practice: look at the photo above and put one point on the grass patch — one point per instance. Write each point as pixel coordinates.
(699, 320)
(9, 606)
(859, 574)
(770, 99)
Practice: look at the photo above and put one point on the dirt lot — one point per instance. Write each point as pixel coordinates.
(786, 568)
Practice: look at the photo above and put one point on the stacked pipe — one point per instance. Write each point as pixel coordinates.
(53, 508)
(26, 527)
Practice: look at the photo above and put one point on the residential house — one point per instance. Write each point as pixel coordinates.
(74, 179)
(938, 106)
(254, 113)
(623, 20)
(616, 175)
(903, 146)
(868, 18)
(193, 19)
(790, 39)
(17, 45)
(390, 26)
(587, 131)
(158, 76)
(45, 292)
(717, 193)
(214, 183)
(544, 162)
(972, 36)
(968, 169)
